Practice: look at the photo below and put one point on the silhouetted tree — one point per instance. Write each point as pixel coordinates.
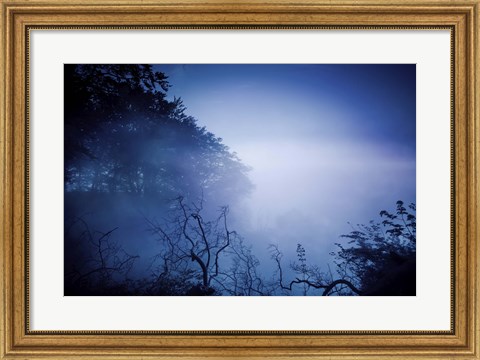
(379, 259)
(206, 255)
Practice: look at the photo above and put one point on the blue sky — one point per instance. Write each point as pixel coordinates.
(328, 144)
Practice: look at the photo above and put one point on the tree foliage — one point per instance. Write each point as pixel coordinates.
(378, 259)
(122, 134)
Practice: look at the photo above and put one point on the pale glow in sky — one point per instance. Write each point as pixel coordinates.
(327, 144)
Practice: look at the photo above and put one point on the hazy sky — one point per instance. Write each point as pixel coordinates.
(327, 144)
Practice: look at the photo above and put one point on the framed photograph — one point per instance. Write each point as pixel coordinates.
(239, 179)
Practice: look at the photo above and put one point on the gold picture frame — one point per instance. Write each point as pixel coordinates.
(19, 17)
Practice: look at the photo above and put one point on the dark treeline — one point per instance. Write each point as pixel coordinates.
(142, 176)
(123, 136)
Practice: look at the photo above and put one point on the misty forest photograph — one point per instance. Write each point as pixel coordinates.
(239, 180)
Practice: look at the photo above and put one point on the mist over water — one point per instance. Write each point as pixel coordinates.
(321, 147)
